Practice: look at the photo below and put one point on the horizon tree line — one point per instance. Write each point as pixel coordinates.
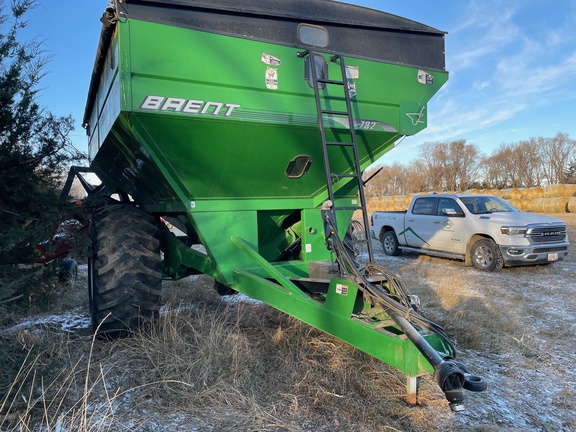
(459, 166)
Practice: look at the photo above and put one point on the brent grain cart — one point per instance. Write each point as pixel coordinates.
(247, 125)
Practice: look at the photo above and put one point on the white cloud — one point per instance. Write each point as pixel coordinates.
(482, 34)
(504, 66)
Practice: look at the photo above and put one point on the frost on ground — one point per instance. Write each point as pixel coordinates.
(520, 322)
(531, 377)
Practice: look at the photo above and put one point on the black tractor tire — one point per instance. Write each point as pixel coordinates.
(390, 244)
(485, 255)
(124, 271)
(68, 271)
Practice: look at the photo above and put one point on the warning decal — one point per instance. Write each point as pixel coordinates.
(271, 78)
(270, 60)
(342, 289)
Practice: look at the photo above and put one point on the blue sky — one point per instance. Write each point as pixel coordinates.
(512, 67)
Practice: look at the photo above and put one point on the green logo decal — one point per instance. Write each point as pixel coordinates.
(409, 229)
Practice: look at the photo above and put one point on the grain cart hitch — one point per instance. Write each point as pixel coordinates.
(396, 301)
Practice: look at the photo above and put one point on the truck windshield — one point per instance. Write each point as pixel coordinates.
(482, 204)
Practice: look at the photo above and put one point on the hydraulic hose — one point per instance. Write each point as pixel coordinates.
(450, 375)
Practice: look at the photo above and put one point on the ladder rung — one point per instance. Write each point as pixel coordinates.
(343, 175)
(348, 208)
(337, 143)
(327, 81)
(342, 113)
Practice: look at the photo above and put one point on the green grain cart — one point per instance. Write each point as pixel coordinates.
(247, 126)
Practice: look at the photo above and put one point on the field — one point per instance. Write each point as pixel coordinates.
(235, 365)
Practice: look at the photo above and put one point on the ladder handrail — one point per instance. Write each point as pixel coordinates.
(357, 173)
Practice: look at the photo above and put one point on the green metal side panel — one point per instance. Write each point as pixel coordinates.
(202, 130)
(201, 107)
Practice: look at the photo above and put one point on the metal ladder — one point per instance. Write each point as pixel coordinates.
(319, 83)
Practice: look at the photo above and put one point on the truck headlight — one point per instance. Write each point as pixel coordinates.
(512, 230)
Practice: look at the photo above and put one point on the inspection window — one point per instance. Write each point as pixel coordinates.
(298, 166)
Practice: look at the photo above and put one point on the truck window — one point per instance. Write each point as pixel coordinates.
(447, 204)
(481, 204)
(425, 206)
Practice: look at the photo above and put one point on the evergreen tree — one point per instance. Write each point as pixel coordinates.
(35, 147)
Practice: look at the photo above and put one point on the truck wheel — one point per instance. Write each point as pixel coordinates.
(68, 271)
(486, 255)
(124, 271)
(390, 244)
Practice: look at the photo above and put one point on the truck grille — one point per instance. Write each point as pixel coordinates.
(550, 249)
(547, 234)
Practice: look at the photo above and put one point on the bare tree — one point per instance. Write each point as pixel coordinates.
(529, 163)
(462, 165)
(507, 167)
(457, 165)
(389, 181)
(433, 157)
(415, 177)
(494, 171)
(570, 173)
(450, 166)
(556, 154)
(376, 186)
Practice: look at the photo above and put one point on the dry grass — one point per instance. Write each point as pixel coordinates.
(226, 366)
(64, 397)
(474, 319)
(249, 367)
(212, 365)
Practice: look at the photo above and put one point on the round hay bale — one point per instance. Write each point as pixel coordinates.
(374, 203)
(572, 205)
(526, 204)
(402, 206)
(516, 203)
(497, 192)
(537, 192)
(407, 199)
(557, 190)
(486, 192)
(472, 191)
(515, 194)
(506, 193)
(570, 190)
(550, 205)
(526, 193)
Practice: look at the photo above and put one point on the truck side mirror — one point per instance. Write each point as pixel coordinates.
(452, 212)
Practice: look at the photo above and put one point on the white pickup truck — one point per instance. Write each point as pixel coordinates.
(483, 230)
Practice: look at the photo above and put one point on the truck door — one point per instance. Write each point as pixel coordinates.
(435, 223)
(450, 220)
(419, 229)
